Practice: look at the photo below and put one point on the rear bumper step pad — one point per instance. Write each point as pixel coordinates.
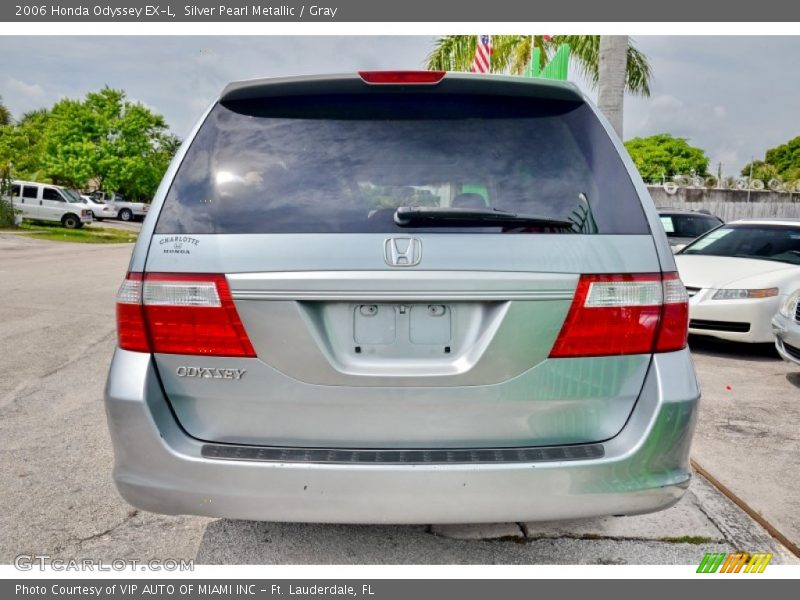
(410, 456)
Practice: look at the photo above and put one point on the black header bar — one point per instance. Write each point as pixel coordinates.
(438, 11)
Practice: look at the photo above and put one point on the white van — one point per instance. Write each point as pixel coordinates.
(46, 202)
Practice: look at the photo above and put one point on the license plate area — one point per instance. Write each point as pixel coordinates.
(402, 329)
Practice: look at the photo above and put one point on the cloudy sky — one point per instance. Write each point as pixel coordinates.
(733, 96)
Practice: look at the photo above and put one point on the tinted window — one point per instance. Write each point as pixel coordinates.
(51, 194)
(690, 226)
(345, 163)
(15, 190)
(767, 242)
(29, 191)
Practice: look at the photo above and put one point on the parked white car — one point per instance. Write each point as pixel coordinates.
(739, 275)
(46, 202)
(100, 210)
(786, 326)
(126, 211)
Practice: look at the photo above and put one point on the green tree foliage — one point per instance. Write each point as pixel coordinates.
(6, 206)
(513, 52)
(761, 170)
(663, 155)
(109, 141)
(22, 145)
(5, 114)
(781, 162)
(103, 141)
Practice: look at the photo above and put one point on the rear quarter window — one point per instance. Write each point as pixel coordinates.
(328, 164)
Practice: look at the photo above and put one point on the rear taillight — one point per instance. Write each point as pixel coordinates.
(131, 330)
(177, 313)
(402, 77)
(624, 314)
(674, 325)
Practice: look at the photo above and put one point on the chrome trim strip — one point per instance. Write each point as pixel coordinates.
(406, 285)
(368, 295)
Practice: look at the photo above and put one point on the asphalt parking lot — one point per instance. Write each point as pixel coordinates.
(57, 498)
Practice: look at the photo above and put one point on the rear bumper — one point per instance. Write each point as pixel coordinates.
(161, 469)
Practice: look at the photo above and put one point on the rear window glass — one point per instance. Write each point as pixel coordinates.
(331, 164)
(690, 226)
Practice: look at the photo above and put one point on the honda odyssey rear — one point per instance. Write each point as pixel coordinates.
(402, 297)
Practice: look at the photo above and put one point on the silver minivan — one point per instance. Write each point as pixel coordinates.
(402, 297)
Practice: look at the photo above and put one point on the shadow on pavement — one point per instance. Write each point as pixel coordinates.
(752, 352)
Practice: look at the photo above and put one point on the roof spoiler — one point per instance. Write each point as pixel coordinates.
(435, 82)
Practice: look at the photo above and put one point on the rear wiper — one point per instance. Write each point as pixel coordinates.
(435, 216)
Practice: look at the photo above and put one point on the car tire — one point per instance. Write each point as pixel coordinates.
(125, 215)
(71, 222)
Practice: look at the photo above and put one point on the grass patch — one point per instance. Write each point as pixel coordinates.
(87, 235)
(697, 540)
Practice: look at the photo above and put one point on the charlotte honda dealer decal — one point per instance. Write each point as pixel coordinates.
(179, 244)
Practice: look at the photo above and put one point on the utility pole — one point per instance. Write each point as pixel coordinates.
(750, 180)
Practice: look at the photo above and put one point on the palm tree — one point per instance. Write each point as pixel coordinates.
(611, 77)
(512, 53)
(5, 114)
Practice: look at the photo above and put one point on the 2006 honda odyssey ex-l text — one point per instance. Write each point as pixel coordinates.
(402, 297)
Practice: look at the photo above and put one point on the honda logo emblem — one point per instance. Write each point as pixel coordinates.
(402, 251)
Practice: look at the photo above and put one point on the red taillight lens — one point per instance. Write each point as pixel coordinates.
(188, 314)
(399, 77)
(131, 330)
(673, 329)
(624, 314)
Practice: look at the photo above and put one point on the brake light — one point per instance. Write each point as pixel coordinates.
(613, 315)
(401, 77)
(180, 314)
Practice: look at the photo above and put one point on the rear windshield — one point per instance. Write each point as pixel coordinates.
(343, 164)
(690, 226)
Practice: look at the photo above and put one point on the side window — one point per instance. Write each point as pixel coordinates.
(695, 226)
(682, 226)
(29, 191)
(51, 194)
(669, 227)
(15, 189)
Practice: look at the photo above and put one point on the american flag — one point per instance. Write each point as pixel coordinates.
(483, 55)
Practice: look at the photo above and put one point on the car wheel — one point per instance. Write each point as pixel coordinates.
(71, 222)
(125, 214)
